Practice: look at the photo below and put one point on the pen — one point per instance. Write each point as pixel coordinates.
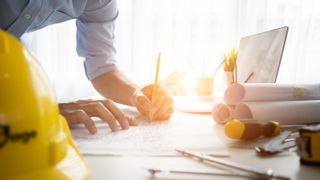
(263, 173)
(155, 84)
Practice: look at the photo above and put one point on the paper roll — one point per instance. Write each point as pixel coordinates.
(222, 113)
(285, 112)
(248, 92)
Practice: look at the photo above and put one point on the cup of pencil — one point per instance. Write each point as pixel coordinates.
(204, 86)
(229, 66)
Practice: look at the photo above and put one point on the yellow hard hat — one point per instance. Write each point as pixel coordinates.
(35, 142)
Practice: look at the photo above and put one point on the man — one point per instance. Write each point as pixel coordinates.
(95, 42)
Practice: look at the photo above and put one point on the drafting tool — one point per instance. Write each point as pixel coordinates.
(260, 172)
(281, 143)
(154, 171)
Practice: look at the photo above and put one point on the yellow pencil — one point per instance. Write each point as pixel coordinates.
(155, 84)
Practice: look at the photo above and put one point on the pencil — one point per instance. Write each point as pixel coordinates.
(194, 70)
(155, 84)
(250, 75)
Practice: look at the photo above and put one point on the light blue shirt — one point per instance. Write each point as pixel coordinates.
(94, 21)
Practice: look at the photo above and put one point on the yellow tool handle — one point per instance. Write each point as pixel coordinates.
(250, 129)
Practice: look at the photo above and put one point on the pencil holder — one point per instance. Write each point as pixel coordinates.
(229, 66)
(204, 86)
(229, 77)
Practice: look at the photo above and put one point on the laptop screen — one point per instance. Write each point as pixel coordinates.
(260, 55)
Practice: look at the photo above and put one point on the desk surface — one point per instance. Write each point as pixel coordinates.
(117, 167)
(134, 167)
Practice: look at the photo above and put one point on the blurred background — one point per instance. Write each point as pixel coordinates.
(201, 31)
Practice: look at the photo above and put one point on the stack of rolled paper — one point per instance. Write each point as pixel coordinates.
(285, 103)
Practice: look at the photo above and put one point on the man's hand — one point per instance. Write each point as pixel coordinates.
(81, 112)
(160, 108)
(114, 85)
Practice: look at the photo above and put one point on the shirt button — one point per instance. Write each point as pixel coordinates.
(27, 16)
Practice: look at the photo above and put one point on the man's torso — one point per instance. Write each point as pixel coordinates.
(20, 16)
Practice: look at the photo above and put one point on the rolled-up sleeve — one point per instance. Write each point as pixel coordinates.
(95, 37)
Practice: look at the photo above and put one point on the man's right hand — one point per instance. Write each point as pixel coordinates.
(160, 108)
(81, 112)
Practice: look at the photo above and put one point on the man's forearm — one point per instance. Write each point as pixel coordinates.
(115, 85)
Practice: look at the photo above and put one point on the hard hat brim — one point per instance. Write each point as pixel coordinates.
(71, 167)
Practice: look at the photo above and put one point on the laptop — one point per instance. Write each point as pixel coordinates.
(259, 56)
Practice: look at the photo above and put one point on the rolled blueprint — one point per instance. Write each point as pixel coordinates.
(285, 112)
(248, 92)
(222, 113)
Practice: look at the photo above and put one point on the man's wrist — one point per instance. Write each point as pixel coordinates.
(134, 95)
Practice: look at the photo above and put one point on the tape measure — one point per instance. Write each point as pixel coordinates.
(309, 145)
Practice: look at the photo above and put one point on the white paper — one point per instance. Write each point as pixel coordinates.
(285, 112)
(191, 105)
(248, 92)
(184, 131)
